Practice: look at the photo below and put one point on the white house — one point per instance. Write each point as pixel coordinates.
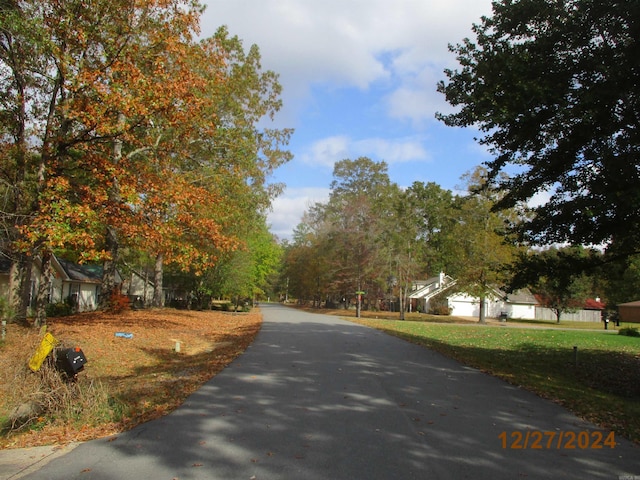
(424, 290)
(80, 283)
(139, 287)
(520, 304)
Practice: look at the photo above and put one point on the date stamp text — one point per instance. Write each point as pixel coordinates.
(547, 440)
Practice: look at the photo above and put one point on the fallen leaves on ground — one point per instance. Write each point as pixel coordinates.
(144, 375)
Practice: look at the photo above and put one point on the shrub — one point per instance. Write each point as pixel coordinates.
(118, 302)
(440, 309)
(629, 332)
(60, 309)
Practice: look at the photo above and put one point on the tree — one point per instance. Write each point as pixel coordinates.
(430, 207)
(307, 268)
(359, 199)
(553, 87)
(549, 275)
(98, 75)
(138, 134)
(480, 243)
(221, 189)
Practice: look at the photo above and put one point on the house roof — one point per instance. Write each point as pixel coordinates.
(425, 290)
(630, 304)
(594, 304)
(588, 304)
(522, 296)
(81, 273)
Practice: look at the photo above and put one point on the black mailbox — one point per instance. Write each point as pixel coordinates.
(70, 360)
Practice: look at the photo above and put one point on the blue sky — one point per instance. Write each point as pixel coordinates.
(359, 79)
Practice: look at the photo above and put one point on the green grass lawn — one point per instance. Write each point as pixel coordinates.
(603, 386)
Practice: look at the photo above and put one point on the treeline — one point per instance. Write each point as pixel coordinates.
(125, 137)
(372, 239)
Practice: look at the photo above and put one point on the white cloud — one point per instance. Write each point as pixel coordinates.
(327, 151)
(391, 151)
(288, 209)
(417, 98)
(343, 43)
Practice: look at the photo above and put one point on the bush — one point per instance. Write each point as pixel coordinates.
(440, 310)
(629, 332)
(60, 309)
(118, 302)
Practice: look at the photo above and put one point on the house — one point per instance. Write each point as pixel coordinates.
(629, 312)
(79, 283)
(423, 291)
(5, 276)
(464, 305)
(139, 287)
(521, 304)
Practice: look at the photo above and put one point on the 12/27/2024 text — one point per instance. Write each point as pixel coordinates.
(568, 440)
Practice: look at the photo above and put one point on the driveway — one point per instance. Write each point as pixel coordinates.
(317, 398)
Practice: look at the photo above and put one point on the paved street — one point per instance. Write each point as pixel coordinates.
(317, 398)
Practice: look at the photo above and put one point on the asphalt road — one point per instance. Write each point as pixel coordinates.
(316, 398)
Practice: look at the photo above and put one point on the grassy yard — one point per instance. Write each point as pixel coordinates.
(601, 383)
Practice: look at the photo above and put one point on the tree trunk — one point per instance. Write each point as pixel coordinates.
(111, 241)
(25, 268)
(158, 297)
(44, 291)
(483, 301)
(109, 269)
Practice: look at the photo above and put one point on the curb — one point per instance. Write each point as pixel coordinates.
(16, 463)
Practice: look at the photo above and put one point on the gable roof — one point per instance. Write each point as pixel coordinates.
(81, 273)
(85, 273)
(431, 287)
(594, 304)
(522, 296)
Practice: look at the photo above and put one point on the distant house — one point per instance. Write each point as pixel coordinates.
(520, 304)
(423, 291)
(139, 287)
(80, 284)
(464, 305)
(5, 272)
(629, 312)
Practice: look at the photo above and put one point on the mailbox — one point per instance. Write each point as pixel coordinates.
(70, 360)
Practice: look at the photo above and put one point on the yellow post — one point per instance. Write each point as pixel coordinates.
(44, 349)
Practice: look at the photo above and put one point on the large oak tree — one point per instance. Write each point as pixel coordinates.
(552, 85)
